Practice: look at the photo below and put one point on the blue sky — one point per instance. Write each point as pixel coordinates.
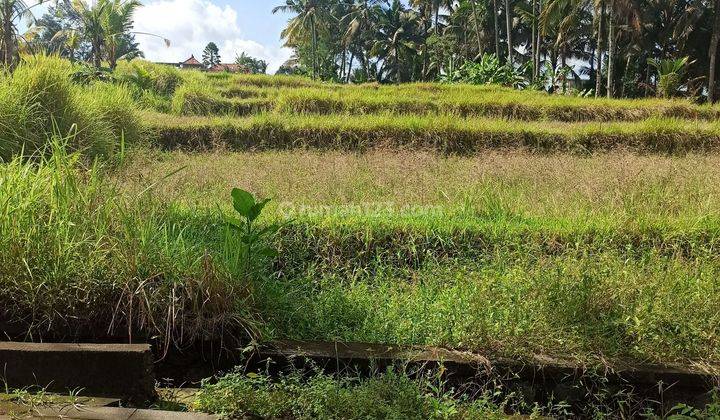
(236, 26)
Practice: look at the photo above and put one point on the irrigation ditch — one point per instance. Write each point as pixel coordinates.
(128, 372)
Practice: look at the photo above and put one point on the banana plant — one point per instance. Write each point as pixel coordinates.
(670, 74)
(252, 238)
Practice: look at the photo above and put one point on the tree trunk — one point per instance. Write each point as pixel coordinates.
(344, 63)
(97, 60)
(314, 47)
(497, 29)
(8, 46)
(592, 60)
(714, 41)
(112, 59)
(508, 21)
(533, 48)
(538, 42)
(398, 67)
(600, 51)
(476, 18)
(625, 72)
(366, 65)
(349, 68)
(611, 54)
(563, 66)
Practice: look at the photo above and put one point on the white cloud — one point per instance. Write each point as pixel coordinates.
(190, 25)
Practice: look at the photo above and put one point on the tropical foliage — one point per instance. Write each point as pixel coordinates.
(608, 47)
(98, 32)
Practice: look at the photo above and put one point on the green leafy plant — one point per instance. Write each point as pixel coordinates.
(252, 237)
(670, 74)
(489, 71)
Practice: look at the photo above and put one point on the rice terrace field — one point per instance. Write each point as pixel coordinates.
(477, 218)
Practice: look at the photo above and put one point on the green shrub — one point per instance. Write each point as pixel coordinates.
(391, 395)
(158, 78)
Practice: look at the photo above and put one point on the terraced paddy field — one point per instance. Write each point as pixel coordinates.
(612, 255)
(476, 218)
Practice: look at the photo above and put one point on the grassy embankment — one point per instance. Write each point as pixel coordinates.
(509, 252)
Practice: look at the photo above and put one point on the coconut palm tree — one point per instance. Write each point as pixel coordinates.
(103, 24)
(396, 38)
(69, 39)
(476, 21)
(117, 20)
(623, 12)
(496, 25)
(600, 13)
(11, 12)
(714, 42)
(509, 24)
(309, 14)
(362, 17)
(89, 21)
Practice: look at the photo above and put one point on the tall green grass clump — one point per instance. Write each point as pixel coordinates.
(116, 108)
(43, 100)
(80, 260)
(152, 84)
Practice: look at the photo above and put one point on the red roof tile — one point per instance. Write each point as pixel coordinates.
(191, 61)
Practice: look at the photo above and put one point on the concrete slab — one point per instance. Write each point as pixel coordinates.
(697, 377)
(23, 404)
(108, 370)
(115, 413)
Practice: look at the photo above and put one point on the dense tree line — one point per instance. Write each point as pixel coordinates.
(75, 29)
(626, 48)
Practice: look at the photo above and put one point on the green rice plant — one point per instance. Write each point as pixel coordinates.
(242, 92)
(608, 257)
(152, 101)
(193, 98)
(261, 80)
(472, 101)
(444, 134)
(17, 121)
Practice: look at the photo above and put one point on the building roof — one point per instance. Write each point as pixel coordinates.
(232, 68)
(192, 61)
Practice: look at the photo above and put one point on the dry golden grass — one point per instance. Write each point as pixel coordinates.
(614, 185)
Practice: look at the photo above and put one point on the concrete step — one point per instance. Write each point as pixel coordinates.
(123, 371)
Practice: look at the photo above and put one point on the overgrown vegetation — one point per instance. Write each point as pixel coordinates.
(403, 392)
(412, 214)
(40, 99)
(115, 263)
(392, 395)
